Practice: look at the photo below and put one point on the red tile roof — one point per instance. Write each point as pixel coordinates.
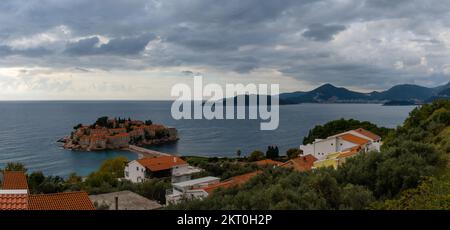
(268, 162)
(161, 163)
(350, 152)
(13, 201)
(61, 201)
(233, 181)
(14, 180)
(354, 139)
(302, 163)
(368, 134)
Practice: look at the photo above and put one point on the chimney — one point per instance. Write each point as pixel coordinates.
(117, 202)
(174, 160)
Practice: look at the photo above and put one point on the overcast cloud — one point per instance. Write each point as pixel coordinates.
(366, 45)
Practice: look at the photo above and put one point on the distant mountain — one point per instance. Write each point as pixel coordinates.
(324, 94)
(327, 93)
(405, 94)
(247, 100)
(445, 92)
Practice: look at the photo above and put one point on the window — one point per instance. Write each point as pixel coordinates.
(126, 174)
(137, 168)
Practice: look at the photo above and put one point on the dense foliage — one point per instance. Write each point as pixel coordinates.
(342, 125)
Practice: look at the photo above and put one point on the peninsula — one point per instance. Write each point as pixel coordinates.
(118, 133)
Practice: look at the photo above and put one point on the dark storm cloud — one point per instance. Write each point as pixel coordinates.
(30, 52)
(319, 32)
(119, 46)
(297, 38)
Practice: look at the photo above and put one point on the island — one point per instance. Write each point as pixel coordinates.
(118, 133)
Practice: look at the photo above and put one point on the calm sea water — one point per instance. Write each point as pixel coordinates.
(29, 130)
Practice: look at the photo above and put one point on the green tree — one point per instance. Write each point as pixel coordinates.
(272, 152)
(102, 121)
(238, 153)
(35, 179)
(115, 166)
(256, 156)
(15, 166)
(293, 153)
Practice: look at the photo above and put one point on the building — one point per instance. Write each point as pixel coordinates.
(191, 189)
(203, 187)
(117, 131)
(14, 195)
(362, 138)
(164, 166)
(97, 142)
(301, 163)
(118, 141)
(336, 159)
(231, 182)
(123, 200)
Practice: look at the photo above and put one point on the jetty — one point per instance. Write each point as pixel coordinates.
(144, 153)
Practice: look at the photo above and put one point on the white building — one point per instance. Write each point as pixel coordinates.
(165, 166)
(191, 189)
(321, 148)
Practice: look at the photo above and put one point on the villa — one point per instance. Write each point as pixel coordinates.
(342, 142)
(164, 166)
(15, 195)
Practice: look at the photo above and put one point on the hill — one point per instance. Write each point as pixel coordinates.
(329, 93)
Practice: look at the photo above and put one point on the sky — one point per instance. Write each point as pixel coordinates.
(138, 49)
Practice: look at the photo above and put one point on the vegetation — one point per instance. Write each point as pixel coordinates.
(223, 168)
(12, 166)
(410, 172)
(272, 152)
(342, 125)
(256, 156)
(293, 153)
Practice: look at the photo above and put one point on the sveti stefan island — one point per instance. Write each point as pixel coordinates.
(237, 108)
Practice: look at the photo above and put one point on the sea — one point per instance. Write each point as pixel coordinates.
(29, 130)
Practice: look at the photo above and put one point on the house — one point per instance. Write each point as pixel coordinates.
(123, 200)
(97, 142)
(300, 163)
(231, 182)
(164, 166)
(203, 187)
(336, 159)
(191, 189)
(14, 195)
(321, 148)
(138, 132)
(118, 141)
(61, 201)
(99, 131)
(117, 131)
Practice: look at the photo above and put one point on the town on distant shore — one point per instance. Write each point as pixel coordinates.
(118, 133)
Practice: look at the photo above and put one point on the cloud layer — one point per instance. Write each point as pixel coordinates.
(360, 44)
